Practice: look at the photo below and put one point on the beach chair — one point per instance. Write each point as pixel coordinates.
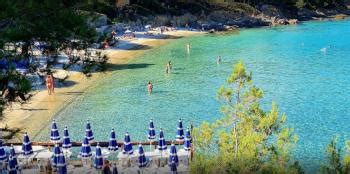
(124, 160)
(42, 159)
(134, 161)
(154, 159)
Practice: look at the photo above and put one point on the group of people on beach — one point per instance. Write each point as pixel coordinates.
(50, 83)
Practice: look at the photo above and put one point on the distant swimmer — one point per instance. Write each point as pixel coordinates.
(150, 87)
(188, 47)
(324, 50)
(168, 67)
(218, 60)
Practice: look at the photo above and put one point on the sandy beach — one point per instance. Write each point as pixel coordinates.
(39, 111)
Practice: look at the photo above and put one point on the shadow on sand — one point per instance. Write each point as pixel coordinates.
(32, 109)
(74, 93)
(127, 45)
(115, 67)
(66, 83)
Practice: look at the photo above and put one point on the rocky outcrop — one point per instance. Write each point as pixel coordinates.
(293, 21)
(275, 21)
(97, 20)
(306, 14)
(220, 17)
(271, 11)
(249, 21)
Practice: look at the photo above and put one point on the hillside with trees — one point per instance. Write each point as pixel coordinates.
(217, 13)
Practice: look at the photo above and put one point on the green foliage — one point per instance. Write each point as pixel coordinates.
(338, 162)
(49, 20)
(2, 106)
(247, 139)
(300, 4)
(53, 22)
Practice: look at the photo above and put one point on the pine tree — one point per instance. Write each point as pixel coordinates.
(247, 139)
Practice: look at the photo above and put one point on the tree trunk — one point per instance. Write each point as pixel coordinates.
(235, 134)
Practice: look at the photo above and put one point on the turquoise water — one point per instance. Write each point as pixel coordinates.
(304, 68)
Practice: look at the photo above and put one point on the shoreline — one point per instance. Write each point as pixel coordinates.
(34, 115)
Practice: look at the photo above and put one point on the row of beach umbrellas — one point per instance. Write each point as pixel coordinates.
(11, 158)
(58, 159)
(66, 143)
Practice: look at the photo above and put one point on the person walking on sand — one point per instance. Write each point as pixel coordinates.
(52, 83)
(48, 84)
(150, 87)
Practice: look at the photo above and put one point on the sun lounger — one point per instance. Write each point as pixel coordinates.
(184, 157)
(123, 159)
(43, 158)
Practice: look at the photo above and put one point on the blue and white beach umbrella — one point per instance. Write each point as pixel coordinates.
(173, 167)
(54, 134)
(88, 132)
(56, 155)
(161, 142)
(151, 131)
(13, 157)
(187, 143)
(112, 144)
(98, 160)
(180, 132)
(173, 154)
(12, 166)
(27, 145)
(3, 156)
(66, 140)
(62, 165)
(85, 151)
(127, 145)
(142, 157)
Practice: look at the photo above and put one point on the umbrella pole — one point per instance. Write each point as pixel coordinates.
(161, 158)
(150, 145)
(129, 162)
(1, 166)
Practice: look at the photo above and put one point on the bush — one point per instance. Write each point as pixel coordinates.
(2, 106)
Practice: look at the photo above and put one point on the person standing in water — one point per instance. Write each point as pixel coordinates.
(150, 87)
(188, 47)
(168, 67)
(218, 60)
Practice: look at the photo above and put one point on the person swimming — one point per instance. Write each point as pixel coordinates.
(150, 87)
(218, 60)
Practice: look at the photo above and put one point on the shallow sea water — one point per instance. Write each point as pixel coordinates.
(304, 68)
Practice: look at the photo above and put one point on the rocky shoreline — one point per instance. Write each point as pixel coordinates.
(222, 18)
